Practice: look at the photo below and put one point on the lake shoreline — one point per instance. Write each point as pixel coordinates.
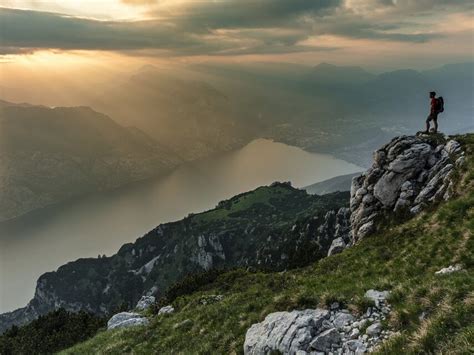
(102, 222)
(152, 179)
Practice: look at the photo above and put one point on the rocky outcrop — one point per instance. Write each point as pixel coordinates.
(166, 310)
(133, 319)
(145, 303)
(286, 332)
(342, 232)
(314, 331)
(408, 174)
(126, 320)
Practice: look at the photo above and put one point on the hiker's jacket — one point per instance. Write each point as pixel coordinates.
(434, 105)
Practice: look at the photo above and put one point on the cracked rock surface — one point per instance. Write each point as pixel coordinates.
(126, 320)
(407, 174)
(320, 331)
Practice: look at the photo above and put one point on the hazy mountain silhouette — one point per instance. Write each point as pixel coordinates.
(197, 110)
(50, 154)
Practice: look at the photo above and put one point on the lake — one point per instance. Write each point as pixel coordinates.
(43, 240)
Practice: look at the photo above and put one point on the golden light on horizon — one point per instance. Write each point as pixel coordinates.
(100, 10)
(79, 33)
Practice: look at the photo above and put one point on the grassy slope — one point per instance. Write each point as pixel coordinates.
(403, 259)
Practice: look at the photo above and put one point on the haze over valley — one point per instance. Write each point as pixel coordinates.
(236, 176)
(101, 223)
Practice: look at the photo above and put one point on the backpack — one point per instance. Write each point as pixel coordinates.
(440, 104)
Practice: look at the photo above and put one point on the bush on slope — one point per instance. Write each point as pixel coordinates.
(50, 333)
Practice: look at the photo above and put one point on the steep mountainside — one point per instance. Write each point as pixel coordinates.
(425, 307)
(273, 228)
(51, 154)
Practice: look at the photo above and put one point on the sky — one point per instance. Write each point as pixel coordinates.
(371, 33)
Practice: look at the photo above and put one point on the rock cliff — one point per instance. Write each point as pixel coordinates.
(408, 174)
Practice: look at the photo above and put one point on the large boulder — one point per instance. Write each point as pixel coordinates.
(320, 331)
(126, 320)
(286, 332)
(407, 174)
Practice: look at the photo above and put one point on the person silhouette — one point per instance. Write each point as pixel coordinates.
(435, 109)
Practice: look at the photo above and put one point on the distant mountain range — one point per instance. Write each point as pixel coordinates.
(199, 109)
(50, 154)
(345, 111)
(195, 111)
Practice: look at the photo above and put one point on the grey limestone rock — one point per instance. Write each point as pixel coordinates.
(407, 174)
(448, 270)
(337, 246)
(374, 329)
(355, 346)
(126, 320)
(166, 310)
(377, 296)
(342, 319)
(320, 331)
(145, 302)
(452, 147)
(326, 340)
(286, 332)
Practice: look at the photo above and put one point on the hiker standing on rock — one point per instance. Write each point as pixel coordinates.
(437, 106)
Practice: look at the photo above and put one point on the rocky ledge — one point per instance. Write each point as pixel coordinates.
(407, 175)
(320, 331)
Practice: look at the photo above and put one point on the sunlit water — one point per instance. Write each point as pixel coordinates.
(100, 224)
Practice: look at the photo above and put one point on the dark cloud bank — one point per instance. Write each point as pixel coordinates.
(218, 28)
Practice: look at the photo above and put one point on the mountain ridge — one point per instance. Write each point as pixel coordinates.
(51, 154)
(233, 234)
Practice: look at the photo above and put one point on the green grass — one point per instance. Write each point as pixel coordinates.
(402, 259)
(261, 195)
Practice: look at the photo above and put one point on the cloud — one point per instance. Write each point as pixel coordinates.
(229, 27)
(41, 30)
(202, 15)
(139, 2)
(33, 29)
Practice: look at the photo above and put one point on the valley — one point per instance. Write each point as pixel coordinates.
(102, 222)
